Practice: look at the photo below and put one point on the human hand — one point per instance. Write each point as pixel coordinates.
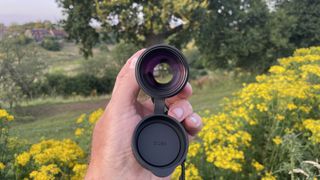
(111, 154)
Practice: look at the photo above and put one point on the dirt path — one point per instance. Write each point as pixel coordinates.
(40, 111)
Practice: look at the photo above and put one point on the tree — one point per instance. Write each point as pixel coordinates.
(238, 34)
(304, 32)
(140, 22)
(20, 65)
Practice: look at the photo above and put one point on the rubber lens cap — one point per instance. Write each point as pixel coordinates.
(158, 144)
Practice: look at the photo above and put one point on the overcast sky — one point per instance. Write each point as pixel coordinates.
(22, 11)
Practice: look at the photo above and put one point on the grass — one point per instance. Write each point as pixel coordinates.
(210, 97)
(56, 119)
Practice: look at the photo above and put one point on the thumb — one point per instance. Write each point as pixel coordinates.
(126, 88)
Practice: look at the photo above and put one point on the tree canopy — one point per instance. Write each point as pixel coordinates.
(140, 22)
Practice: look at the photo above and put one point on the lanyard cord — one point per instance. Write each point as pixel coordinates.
(182, 176)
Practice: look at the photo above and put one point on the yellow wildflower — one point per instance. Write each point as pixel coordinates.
(268, 176)
(277, 69)
(4, 114)
(277, 140)
(23, 158)
(257, 165)
(191, 172)
(291, 106)
(2, 166)
(94, 117)
(79, 171)
(279, 117)
(79, 131)
(46, 172)
(193, 149)
(314, 127)
(81, 118)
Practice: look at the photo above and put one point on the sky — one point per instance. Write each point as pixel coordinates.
(22, 11)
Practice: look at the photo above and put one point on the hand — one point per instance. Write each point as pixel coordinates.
(111, 154)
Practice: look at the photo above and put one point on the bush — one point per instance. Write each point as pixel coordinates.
(270, 129)
(51, 44)
(82, 84)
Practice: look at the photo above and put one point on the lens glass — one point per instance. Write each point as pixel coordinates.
(162, 73)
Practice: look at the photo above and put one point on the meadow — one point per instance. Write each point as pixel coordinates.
(266, 128)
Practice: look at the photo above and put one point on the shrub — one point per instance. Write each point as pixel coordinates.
(270, 129)
(81, 84)
(51, 159)
(51, 44)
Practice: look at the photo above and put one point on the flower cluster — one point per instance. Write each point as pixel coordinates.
(5, 151)
(4, 115)
(250, 135)
(314, 127)
(51, 159)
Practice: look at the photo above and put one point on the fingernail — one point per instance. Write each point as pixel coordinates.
(195, 121)
(133, 62)
(178, 112)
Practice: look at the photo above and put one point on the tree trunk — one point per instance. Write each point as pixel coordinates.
(153, 39)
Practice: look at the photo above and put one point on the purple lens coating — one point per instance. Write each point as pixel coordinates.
(178, 69)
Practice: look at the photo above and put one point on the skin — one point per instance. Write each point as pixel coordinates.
(111, 154)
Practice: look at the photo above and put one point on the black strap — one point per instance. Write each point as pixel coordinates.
(182, 176)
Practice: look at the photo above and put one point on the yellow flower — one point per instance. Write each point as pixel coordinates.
(23, 158)
(277, 140)
(291, 106)
(79, 171)
(2, 166)
(94, 117)
(193, 149)
(46, 172)
(65, 152)
(268, 176)
(79, 131)
(10, 118)
(191, 172)
(277, 69)
(81, 118)
(4, 114)
(257, 165)
(314, 127)
(279, 117)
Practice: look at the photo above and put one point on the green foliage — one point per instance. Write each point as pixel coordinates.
(80, 14)
(236, 34)
(81, 84)
(305, 31)
(144, 22)
(51, 44)
(122, 52)
(20, 67)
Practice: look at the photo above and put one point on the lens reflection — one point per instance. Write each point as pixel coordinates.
(162, 73)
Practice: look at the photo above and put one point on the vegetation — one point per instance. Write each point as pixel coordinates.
(20, 66)
(51, 44)
(267, 130)
(265, 127)
(144, 23)
(247, 34)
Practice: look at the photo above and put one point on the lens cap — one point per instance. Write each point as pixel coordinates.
(160, 144)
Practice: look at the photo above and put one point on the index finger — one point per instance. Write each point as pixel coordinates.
(185, 93)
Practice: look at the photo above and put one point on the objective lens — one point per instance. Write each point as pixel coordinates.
(162, 73)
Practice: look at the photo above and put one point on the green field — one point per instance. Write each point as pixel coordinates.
(54, 119)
